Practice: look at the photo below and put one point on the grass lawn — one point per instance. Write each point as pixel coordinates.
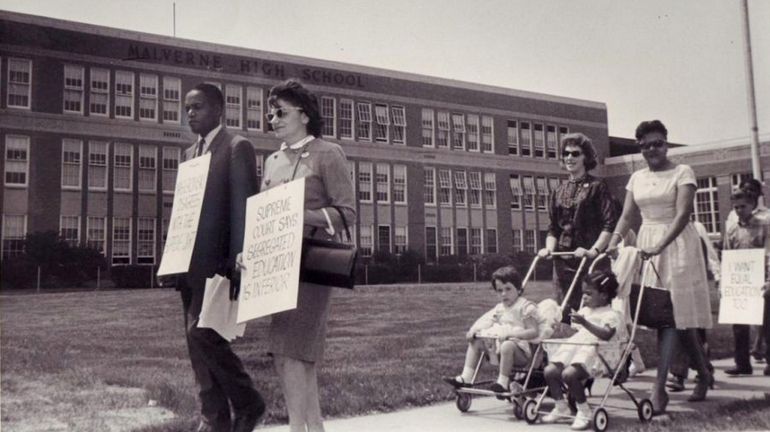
(67, 358)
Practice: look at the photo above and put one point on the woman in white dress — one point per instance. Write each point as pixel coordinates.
(663, 193)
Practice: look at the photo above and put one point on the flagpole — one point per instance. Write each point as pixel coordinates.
(755, 166)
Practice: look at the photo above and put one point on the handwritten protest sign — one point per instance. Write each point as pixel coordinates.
(743, 275)
(185, 214)
(272, 251)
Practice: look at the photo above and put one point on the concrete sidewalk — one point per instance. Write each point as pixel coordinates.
(488, 414)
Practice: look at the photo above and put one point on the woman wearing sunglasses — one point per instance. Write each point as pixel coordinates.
(297, 337)
(582, 214)
(663, 194)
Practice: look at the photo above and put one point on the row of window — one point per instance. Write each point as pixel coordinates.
(534, 139)
(374, 182)
(96, 229)
(363, 121)
(444, 241)
(457, 131)
(530, 191)
(460, 188)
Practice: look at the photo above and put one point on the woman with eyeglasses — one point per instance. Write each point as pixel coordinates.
(297, 337)
(663, 194)
(582, 215)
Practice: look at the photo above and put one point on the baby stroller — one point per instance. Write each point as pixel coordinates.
(616, 370)
(527, 380)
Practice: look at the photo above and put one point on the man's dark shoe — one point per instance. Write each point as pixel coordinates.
(739, 371)
(246, 418)
(208, 426)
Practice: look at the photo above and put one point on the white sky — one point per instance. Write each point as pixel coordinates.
(679, 61)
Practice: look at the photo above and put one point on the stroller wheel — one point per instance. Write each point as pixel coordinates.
(530, 411)
(463, 402)
(645, 411)
(518, 410)
(601, 420)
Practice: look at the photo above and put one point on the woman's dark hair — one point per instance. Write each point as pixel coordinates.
(507, 274)
(293, 92)
(604, 281)
(753, 185)
(646, 127)
(212, 94)
(747, 194)
(586, 146)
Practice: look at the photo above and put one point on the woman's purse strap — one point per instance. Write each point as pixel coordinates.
(344, 222)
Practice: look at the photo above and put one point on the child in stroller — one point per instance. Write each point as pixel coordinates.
(576, 359)
(503, 331)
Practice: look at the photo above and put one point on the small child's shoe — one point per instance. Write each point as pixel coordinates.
(559, 413)
(582, 418)
(456, 381)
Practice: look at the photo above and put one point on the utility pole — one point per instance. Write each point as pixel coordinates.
(755, 165)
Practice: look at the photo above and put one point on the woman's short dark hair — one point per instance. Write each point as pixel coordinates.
(507, 274)
(604, 281)
(745, 194)
(293, 92)
(586, 146)
(646, 127)
(212, 94)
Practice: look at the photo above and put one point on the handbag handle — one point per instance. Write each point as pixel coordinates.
(342, 215)
(652, 264)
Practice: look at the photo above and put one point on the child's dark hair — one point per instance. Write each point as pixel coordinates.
(604, 281)
(507, 274)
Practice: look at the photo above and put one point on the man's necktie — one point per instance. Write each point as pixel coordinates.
(201, 143)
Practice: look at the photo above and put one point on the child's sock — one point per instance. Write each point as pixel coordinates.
(467, 374)
(584, 409)
(503, 380)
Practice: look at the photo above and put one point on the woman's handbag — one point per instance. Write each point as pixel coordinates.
(657, 311)
(328, 262)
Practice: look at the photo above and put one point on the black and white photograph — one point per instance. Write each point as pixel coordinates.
(384, 216)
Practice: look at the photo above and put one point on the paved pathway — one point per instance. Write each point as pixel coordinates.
(491, 415)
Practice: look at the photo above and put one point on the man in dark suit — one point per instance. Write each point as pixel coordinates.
(231, 180)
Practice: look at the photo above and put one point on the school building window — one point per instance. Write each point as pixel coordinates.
(491, 240)
(444, 188)
(539, 140)
(516, 236)
(148, 168)
(148, 97)
(472, 132)
(458, 132)
(427, 127)
(329, 115)
(123, 163)
(171, 156)
(365, 247)
(69, 229)
(73, 89)
(97, 165)
(121, 240)
(399, 124)
(515, 182)
(383, 183)
(541, 236)
(233, 106)
(254, 108)
(382, 123)
(399, 184)
(429, 186)
(442, 134)
(476, 188)
(431, 245)
(260, 164)
(95, 233)
(446, 241)
(71, 157)
(365, 181)
(346, 119)
(487, 135)
(124, 94)
(529, 241)
(399, 239)
(563, 130)
(513, 138)
(461, 189)
(707, 204)
(16, 160)
(100, 92)
(551, 144)
(364, 121)
(14, 231)
(525, 139)
(490, 190)
(383, 238)
(542, 193)
(172, 94)
(553, 184)
(462, 241)
(529, 192)
(145, 241)
(19, 83)
(476, 245)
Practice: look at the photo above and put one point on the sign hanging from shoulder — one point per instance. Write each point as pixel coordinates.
(743, 276)
(185, 214)
(272, 251)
